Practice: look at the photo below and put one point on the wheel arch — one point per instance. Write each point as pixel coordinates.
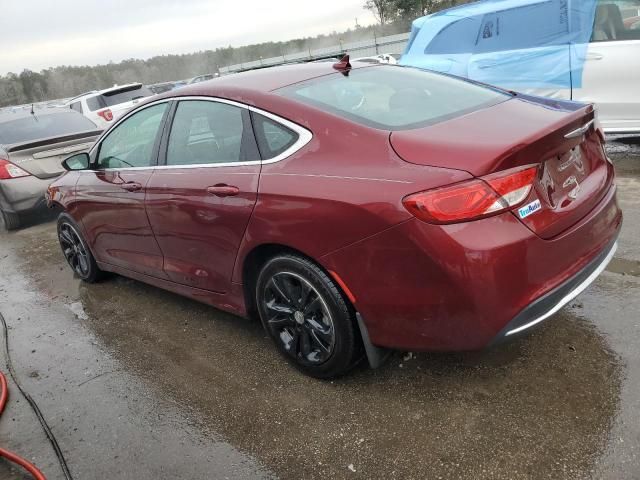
(55, 204)
(259, 255)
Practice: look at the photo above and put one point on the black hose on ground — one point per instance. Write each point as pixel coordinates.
(34, 405)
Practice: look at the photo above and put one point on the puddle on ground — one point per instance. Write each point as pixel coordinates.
(539, 407)
(78, 310)
(624, 267)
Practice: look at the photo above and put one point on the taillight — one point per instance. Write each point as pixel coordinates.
(106, 114)
(473, 199)
(8, 170)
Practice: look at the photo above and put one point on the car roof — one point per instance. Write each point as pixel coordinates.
(95, 93)
(82, 95)
(267, 79)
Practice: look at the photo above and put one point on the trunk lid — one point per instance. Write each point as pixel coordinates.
(560, 137)
(43, 158)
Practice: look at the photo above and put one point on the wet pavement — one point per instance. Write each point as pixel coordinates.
(140, 383)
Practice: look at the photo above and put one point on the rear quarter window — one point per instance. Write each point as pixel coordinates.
(273, 138)
(77, 106)
(393, 97)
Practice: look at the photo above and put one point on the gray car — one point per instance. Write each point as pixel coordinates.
(33, 143)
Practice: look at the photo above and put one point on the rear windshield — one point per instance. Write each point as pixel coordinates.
(119, 97)
(96, 103)
(394, 98)
(36, 127)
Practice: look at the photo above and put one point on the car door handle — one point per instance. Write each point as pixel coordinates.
(131, 186)
(223, 190)
(594, 56)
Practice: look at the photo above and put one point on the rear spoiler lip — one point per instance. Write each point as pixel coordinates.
(16, 147)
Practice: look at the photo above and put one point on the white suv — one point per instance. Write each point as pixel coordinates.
(104, 106)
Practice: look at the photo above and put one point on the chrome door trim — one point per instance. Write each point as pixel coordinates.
(304, 136)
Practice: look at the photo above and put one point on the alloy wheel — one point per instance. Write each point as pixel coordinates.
(299, 318)
(74, 250)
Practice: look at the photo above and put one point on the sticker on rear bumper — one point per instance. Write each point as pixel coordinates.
(527, 210)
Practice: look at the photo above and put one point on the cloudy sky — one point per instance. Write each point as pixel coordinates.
(37, 34)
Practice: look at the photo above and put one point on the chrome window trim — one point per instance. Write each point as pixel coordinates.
(304, 136)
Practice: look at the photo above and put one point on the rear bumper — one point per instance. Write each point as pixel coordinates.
(550, 303)
(23, 195)
(463, 287)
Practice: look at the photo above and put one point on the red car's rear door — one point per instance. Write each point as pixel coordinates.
(110, 198)
(200, 200)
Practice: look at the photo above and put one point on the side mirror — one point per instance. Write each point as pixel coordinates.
(79, 161)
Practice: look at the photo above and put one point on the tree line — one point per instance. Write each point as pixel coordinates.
(392, 11)
(394, 16)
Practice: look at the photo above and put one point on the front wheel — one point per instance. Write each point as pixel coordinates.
(307, 317)
(76, 251)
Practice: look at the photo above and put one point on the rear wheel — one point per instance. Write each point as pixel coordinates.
(76, 251)
(307, 317)
(11, 220)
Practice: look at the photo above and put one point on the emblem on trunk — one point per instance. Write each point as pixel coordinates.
(575, 159)
(572, 180)
(578, 132)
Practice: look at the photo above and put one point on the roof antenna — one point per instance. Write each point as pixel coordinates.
(32, 112)
(343, 65)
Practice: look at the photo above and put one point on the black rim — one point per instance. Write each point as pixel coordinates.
(297, 316)
(74, 250)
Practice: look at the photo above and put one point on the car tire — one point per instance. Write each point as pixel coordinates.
(76, 250)
(308, 318)
(11, 220)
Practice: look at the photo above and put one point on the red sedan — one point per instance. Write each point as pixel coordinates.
(354, 208)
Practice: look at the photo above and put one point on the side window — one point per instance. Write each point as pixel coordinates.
(77, 106)
(131, 143)
(617, 21)
(273, 138)
(205, 132)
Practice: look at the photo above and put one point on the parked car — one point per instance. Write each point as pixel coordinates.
(350, 206)
(33, 145)
(158, 88)
(202, 78)
(105, 106)
(579, 50)
(389, 58)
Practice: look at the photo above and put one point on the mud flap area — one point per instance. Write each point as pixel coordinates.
(376, 356)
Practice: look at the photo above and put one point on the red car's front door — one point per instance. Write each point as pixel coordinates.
(200, 201)
(110, 197)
